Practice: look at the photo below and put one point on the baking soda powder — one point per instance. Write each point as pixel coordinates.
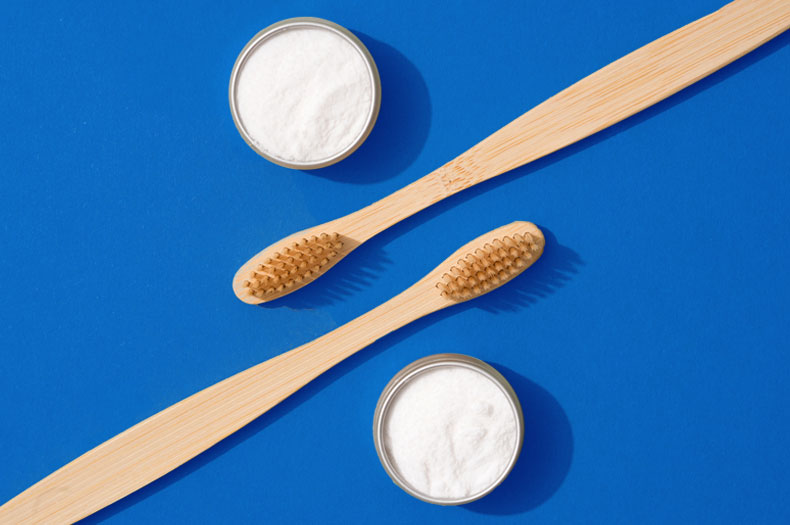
(450, 432)
(304, 94)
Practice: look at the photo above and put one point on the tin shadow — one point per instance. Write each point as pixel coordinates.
(402, 125)
(546, 455)
(550, 273)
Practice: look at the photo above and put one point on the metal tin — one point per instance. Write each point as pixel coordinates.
(301, 22)
(410, 372)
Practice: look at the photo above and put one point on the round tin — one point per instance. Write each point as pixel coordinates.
(301, 22)
(410, 372)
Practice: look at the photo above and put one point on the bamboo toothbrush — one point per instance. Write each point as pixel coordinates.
(624, 87)
(165, 440)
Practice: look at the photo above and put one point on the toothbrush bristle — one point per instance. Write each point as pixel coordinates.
(490, 266)
(302, 260)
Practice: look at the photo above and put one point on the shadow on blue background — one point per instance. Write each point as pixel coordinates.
(548, 446)
(552, 271)
(368, 260)
(402, 125)
(555, 267)
(721, 75)
(545, 456)
(127, 176)
(538, 473)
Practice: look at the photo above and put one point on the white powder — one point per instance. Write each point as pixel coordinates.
(450, 432)
(304, 94)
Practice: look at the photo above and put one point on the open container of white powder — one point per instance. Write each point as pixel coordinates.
(304, 93)
(448, 429)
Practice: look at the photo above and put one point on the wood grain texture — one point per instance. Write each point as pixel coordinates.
(621, 89)
(171, 437)
(611, 94)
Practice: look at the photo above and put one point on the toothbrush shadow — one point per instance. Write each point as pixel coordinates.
(368, 262)
(369, 256)
(550, 273)
(545, 458)
(555, 267)
(401, 127)
(762, 52)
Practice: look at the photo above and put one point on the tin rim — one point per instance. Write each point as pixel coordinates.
(413, 370)
(284, 25)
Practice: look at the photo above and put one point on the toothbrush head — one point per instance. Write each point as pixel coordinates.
(288, 268)
(490, 261)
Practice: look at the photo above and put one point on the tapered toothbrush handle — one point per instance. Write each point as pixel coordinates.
(173, 436)
(168, 439)
(611, 94)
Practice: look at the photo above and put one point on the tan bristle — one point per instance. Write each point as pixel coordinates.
(488, 267)
(301, 261)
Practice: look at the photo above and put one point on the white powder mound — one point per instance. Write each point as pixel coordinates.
(304, 94)
(450, 432)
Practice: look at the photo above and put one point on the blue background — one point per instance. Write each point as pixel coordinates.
(648, 345)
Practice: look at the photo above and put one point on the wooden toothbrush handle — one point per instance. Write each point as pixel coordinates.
(170, 438)
(611, 94)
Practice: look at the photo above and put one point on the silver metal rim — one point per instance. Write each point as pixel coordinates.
(411, 371)
(306, 22)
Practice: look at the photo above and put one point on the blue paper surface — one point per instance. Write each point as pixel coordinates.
(649, 345)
